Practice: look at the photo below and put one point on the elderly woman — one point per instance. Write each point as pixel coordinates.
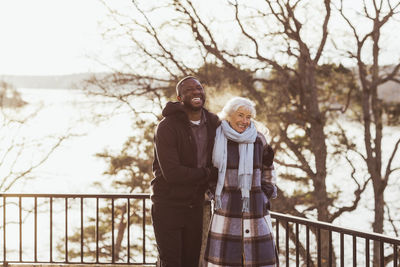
(240, 232)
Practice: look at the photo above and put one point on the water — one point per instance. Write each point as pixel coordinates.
(73, 167)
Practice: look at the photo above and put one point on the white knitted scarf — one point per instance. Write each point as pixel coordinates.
(245, 171)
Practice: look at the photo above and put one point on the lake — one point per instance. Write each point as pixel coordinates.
(73, 167)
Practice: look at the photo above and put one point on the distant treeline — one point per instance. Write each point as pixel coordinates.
(71, 81)
(389, 92)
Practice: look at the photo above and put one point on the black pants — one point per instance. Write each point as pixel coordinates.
(178, 232)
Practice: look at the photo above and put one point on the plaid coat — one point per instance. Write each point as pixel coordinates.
(244, 239)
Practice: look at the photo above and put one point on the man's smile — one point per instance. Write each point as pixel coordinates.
(197, 100)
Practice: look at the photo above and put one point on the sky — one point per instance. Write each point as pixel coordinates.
(51, 37)
(44, 37)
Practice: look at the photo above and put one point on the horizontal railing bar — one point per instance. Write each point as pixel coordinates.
(79, 263)
(101, 195)
(331, 227)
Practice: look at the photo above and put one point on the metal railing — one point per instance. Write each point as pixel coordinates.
(116, 229)
(71, 214)
(313, 243)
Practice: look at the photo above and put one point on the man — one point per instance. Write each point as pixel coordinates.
(182, 167)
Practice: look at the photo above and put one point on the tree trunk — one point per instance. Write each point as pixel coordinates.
(120, 235)
(318, 145)
(378, 218)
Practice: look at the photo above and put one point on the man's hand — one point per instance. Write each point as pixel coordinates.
(209, 195)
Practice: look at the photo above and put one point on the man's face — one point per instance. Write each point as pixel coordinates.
(192, 94)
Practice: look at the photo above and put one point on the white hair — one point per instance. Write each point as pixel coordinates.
(234, 104)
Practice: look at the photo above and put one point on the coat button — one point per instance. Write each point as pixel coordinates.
(247, 231)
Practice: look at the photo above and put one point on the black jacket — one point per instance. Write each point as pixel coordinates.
(178, 181)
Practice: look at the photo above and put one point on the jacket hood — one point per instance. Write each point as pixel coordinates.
(173, 108)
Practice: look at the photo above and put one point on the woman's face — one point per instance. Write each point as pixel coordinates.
(240, 119)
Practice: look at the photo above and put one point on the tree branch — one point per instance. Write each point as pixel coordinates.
(389, 169)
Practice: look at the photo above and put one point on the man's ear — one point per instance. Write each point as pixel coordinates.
(179, 98)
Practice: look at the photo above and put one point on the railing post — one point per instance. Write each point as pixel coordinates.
(297, 245)
(308, 245)
(82, 230)
(144, 230)
(287, 243)
(366, 252)
(51, 229)
(35, 229)
(112, 231)
(330, 258)
(66, 229)
(319, 247)
(341, 250)
(128, 234)
(277, 235)
(20, 227)
(4, 231)
(97, 230)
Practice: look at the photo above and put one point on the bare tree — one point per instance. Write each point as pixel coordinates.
(372, 75)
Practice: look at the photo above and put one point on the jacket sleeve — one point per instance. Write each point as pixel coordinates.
(268, 176)
(212, 182)
(168, 158)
